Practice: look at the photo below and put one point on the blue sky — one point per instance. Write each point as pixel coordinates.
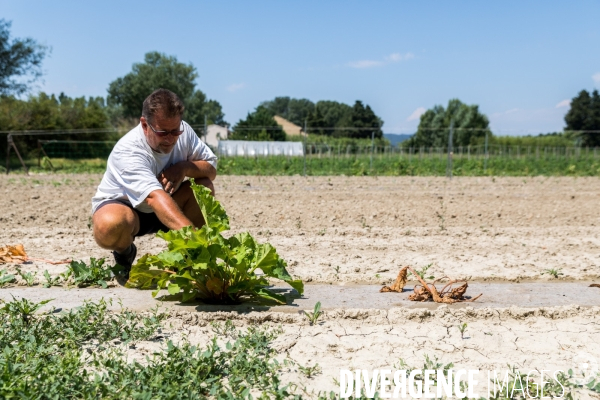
(520, 61)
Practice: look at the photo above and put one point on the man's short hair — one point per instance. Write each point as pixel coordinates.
(163, 102)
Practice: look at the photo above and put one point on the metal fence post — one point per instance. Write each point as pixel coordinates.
(305, 135)
(449, 165)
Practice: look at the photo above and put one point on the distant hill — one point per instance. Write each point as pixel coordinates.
(395, 138)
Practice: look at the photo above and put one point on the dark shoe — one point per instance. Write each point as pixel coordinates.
(125, 261)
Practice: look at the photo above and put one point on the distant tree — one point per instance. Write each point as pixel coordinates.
(336, 115)
(584, 115)
(294, 110)
(366, 122)
(20, 61)
(326, 117)
(48, 112)
(161, 71)
(316, 124)
(469, 126)
(258, 125)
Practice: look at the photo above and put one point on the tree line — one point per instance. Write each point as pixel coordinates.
(327, 118)
(20, 67)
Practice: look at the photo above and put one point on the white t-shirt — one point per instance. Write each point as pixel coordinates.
(133, 167)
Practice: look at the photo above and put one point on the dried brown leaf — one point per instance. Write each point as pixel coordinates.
(595, 285)
(399, 284)
(13, 254)
(446, 295)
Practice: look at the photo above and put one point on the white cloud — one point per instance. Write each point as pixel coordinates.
(564, 103)
(416, 114)
(235, 87)
(395, 57)
(392, 58)
(596, 78)
(365, 64)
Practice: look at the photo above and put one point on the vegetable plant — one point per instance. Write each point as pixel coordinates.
(203, 264)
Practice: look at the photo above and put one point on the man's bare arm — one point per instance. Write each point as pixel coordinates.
(167, 211)
(172, 177)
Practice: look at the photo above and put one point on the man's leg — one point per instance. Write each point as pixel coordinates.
(184, 197)
(115, 226)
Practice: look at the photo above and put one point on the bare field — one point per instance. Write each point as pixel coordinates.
(342, 230)
(355, 229)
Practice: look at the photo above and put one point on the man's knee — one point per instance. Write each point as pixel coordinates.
(111, 227)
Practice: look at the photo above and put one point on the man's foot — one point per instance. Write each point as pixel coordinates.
(125, 260)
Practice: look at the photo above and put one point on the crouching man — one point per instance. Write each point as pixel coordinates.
(143, 189)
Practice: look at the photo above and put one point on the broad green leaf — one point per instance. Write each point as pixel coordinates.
(214, 214)
(170, 257)
(243, 239)
(173, 288)
(142, 276)
(269, 295)
(296, 284)
(188, 296)
(265, 258)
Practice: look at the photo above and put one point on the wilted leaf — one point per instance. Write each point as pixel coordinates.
(13, 254)
(399, 284)
(215, 285)
(448, 295)
(595, 285)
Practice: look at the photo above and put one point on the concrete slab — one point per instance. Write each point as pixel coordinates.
(497, 295)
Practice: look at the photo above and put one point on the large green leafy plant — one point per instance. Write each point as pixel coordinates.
(202, 263)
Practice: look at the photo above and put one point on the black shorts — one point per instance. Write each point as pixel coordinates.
(149, 222)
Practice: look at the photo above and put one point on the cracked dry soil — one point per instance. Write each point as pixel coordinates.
(362, 230)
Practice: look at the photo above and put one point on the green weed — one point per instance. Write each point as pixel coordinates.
(554, 272)
(462, 328)
(94, 274)
(6, 278)
(50, 281)
(310, 371)
(313, 317)
(28, 277)
(422, 271)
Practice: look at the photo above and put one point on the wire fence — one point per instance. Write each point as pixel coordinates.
(360, 158)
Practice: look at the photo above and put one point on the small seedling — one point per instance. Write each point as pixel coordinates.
(462, 328)
(322, 232)
(28, 277)
(555, 272)
(441, 215)
(421, 272)
(313, 317)
(337, 269)
(50, 281)
(309, 371)
(5, 278)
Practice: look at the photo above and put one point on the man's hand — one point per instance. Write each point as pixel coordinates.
(171, 178)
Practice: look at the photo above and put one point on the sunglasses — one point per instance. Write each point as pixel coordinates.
(175, 132)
